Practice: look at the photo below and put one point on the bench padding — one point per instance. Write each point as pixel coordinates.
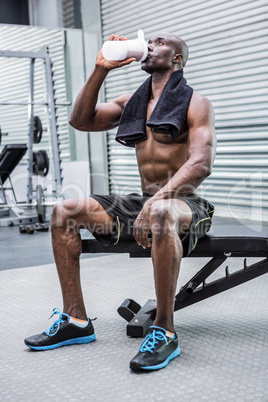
(237, 240)
(10, 156)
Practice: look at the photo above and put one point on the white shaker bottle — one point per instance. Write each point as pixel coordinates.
(123, 49)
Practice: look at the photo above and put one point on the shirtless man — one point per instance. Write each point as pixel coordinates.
(169, 210)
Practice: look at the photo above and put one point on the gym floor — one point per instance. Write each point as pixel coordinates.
(224, 340)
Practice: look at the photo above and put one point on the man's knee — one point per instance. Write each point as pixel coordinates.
(162, 210)
(162, 217)
(170, 216)
(68, 213)
(59, 217)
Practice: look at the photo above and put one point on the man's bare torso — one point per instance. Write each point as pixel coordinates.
(160, 157)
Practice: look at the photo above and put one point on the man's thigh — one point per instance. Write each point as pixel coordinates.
(87, 213)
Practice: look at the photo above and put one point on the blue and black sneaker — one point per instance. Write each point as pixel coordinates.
(61, 333)
(156, 350)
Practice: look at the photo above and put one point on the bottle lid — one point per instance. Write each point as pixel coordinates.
(141, 37)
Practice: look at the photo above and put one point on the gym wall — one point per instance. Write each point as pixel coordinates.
(228, 64)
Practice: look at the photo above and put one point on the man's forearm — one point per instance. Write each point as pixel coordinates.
(84, 107)
(185, 181)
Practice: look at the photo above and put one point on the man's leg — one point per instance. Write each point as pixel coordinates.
(169, 219)
(72, 326)
(66, 220)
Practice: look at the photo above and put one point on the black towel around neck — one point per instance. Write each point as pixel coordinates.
(168, 116)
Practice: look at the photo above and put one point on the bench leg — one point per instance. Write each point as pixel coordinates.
(140, 319)
(199, 278)
(220, 285)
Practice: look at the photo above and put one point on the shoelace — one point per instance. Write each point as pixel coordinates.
(56, 325)
(150, 341)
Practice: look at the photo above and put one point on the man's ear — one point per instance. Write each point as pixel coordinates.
(177, 58)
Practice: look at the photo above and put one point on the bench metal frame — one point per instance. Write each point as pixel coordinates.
(218, 248)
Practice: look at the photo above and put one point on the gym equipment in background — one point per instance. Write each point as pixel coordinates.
(10, 157)
(39, 162)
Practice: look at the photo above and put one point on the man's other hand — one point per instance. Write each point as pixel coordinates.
(141, 226)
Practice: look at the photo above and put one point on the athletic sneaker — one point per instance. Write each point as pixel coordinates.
(156, 350)
(61, 333)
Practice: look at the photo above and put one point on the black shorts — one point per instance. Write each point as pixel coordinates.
(124, 211)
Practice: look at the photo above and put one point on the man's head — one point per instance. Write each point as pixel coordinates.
(165, 51)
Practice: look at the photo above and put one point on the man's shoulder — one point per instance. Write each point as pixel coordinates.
(200, 110)
(198, 100)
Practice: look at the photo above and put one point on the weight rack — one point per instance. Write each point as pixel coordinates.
(50, 105)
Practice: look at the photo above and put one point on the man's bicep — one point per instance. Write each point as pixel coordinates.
(107, 115)
(202, 137)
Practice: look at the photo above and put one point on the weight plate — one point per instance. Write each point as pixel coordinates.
(40, 204)
(40, 163)
(46, 162)
(37, 130)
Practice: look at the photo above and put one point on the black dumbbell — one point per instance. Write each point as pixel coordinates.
(30, 229)
(22, 228)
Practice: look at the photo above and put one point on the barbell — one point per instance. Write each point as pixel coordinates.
(37, 130)
(39, 204)
(64, 103)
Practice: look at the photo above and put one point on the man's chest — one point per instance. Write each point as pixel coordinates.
(164, 138)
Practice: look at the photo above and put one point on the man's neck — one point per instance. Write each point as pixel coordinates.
(159, 80)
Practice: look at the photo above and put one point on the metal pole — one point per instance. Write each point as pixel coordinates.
(30, 142)
(53, 126)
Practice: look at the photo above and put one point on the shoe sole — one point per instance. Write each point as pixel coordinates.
(159, 366)
(83, 339)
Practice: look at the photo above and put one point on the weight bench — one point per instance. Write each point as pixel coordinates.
(10, 157)
(231, 241)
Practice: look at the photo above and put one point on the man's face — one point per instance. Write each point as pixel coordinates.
(161, 52)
